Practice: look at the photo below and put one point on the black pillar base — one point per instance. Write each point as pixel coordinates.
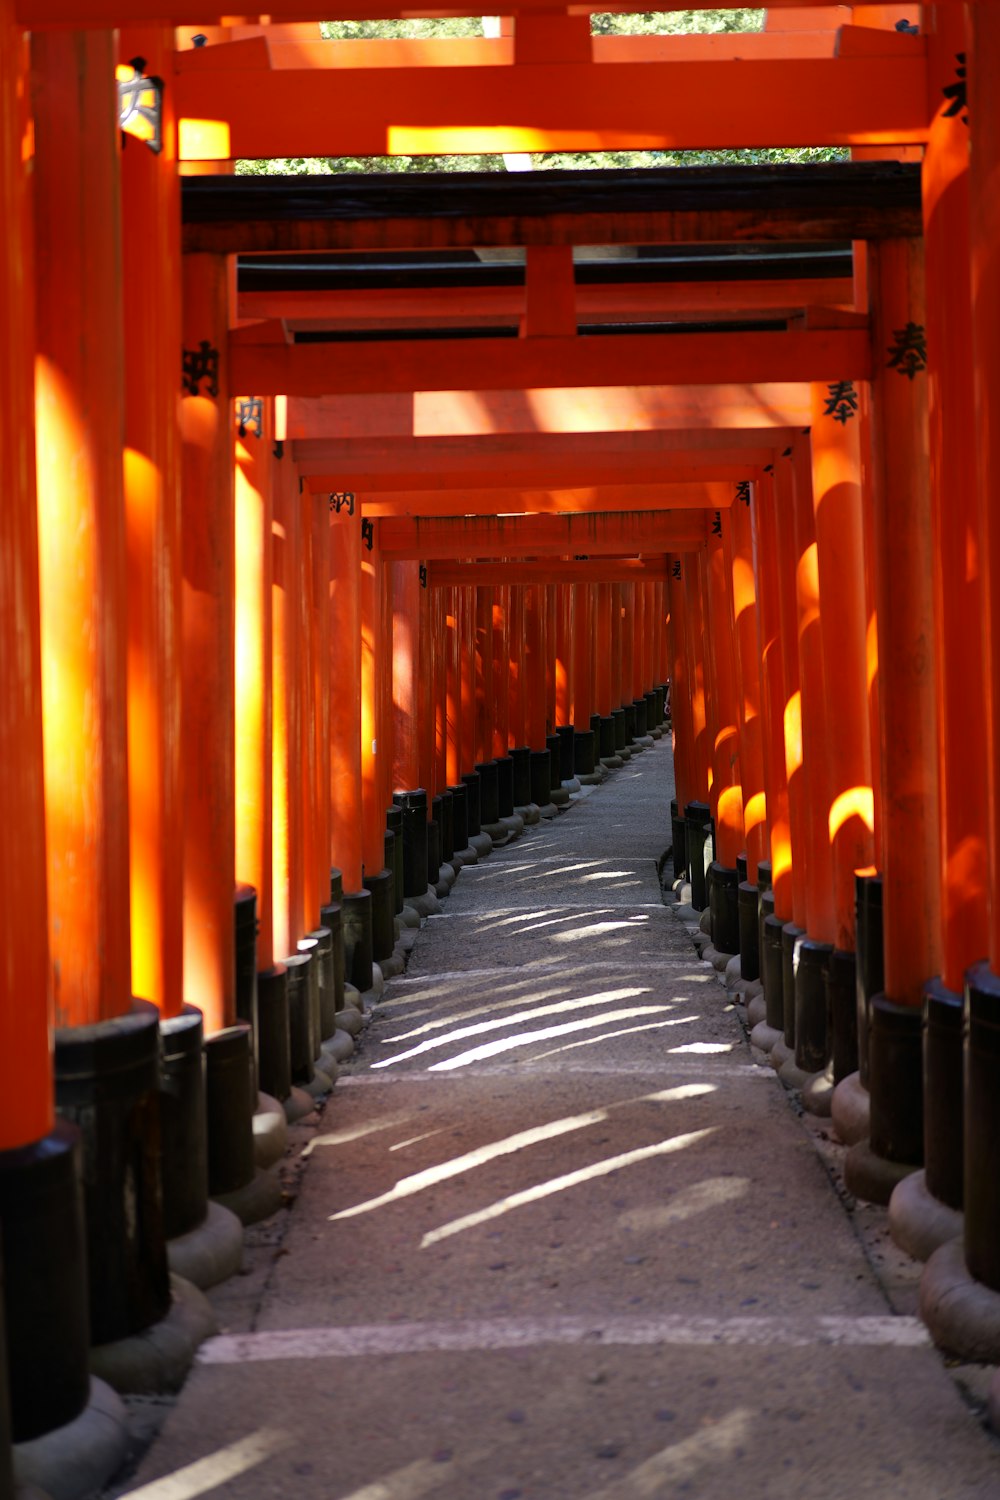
(541, 777)
(246, 955)
(302, 1052)
(433, 864)
(639, 706)
(505, 790)
(336, 885)
(791, 936)
(843, 1005)
(584, 752)
(812, 1028)
(944, 1091)
(982, 1116)
(621, 728)
(722, 907)
(394, 825)
(473, 804)
(414, 805)
(230, 1100)
(772, 965)
(489, 792)
(870, 969)
(895, 1057)
(331, 917)
(183, 1126)
(606, 731)
(566, 735)
(274, 1066)
(460, 815)
(107, 1080)
(323, 964)
(628, 709)
(44, 1283)
(521, 761)
(357, 919)
(697, 816)
(678, 839)
(748, 904)
(382, 890)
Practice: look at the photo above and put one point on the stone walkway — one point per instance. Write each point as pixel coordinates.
(558, 1237)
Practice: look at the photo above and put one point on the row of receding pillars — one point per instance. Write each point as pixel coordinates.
(837, 738)
(239, 746)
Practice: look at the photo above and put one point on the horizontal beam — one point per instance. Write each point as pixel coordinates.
(36, 14)
(444, 307)
(625, 535)
(547, 570)
(456, 466)
(474, 364)
(665, 495)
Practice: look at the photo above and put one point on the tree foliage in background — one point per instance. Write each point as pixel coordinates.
(606, 23)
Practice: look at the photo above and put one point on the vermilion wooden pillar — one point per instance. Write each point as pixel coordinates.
(564, 652)
(549, 616)
(837, 501)
(26, 1098)
(816, 729)
(373, 664)
(638, 639)
(344, 646)
(534, 667)
(773, 694)
(787, 563)
(723, 713)
(501, 670)
(79, 397)
(320, 528)
(208, 653)
(737, 536)
(628, 642)
(310, 712)
(406, 649)
(427, 684)
(601, 645)
(254, 517)
(454, 686)
(680, 690)
(440, 632)
(151, 301)
(288, 648)
(582, 702)
(483, 657)
(695, 639)
(616, 646)
(386, 728)
(958, 581)
(517, 733)
(467, 668)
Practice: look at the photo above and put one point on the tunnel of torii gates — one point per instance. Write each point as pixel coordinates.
(347, 522)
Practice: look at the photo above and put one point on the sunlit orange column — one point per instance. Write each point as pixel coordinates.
(428, 675)
(79, 398)
(727, 791)
(549, 613)
(564, 652)
(207, 626)
(534, 666)
(439, 615)
(483, 657)
(773, 695)
(737, 537)
(406, 649)
(501, 670)
(693, 567)
(453, 715)
(26, 1099)
(791, 716)
(321, 548)
(680, 691)
(151, 300)
(582, 702)
(837, 502)
(601, 646)
(254, 515)
(288, 649)
(310, 712)
(373, 664)
(344, 646)
(386, 727)
(517, 729)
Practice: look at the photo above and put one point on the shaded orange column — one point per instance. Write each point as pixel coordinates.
(727, 791)
(79, 401)
(288, 647)
(406, 648)
(386, 727)
(737, 539)
(958, 582)
(693, 567)
(817, 728)
(628, 642)
(320, 528)
(534, 667)
(373, 664)
(254, 516)
(602, 649)
(501, 670)
(344, 646)
(467, 669)
(638, 639)
(582, 702)
(207, 626)
(564, 652)
(837, 501)
(517, 730)
(773, 694)
(616, 646)
(453, 714)
(26, 1099)
(151, 301)
(427, 684)
(483, 597)
(682, 733)
(440, 615)
(549, 638)
(791, 717)
(906, 626)
(315, 840)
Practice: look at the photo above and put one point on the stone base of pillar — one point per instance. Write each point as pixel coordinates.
(394, 965)
(77, 1460)
(643, 742)
(719, 960)
(780, 1054)
(593, 778)
(530, 812)
(765, 1037)
(270, 1131)
(920, 1223)
(817, 1093)
(756, 1008)
(548, 811)
(871, 1177)
(962, 1315)
(850, 1109)
(482, 843)
(612, 762)
(158, 1358)
(428, 904)
(259, 1199)
(210, 1253)
(340, 1046)
(498, 834)
(298, 1104)
(560, 796)
(409, 917)
(792, 1076)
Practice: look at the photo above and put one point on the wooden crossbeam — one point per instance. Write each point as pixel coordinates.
(548, 570)
(665, 495)
(625, 535)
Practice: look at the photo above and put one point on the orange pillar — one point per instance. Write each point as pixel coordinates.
(406, 648)
(151, 299)
(501, 670)
(628, 641)
(773, 693)
(737, 536)
(344, 646)
(700, 751)
(79, 398)
(386, 728)
(427, 685)
(564, 652)
(517, 732)
(682, 734)
(602, 648)
(549, 634)
(837, 501)
(287, 742)
(309, 711)
(638, 639)
(616, 646)
(483, 656)
(727, 791)
(320, 528)
(207, 625)
(26, 1098)
(254, 514)
(453, 717)
(534, 667)
(582, 704)
(372, 666)
(787, 564)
